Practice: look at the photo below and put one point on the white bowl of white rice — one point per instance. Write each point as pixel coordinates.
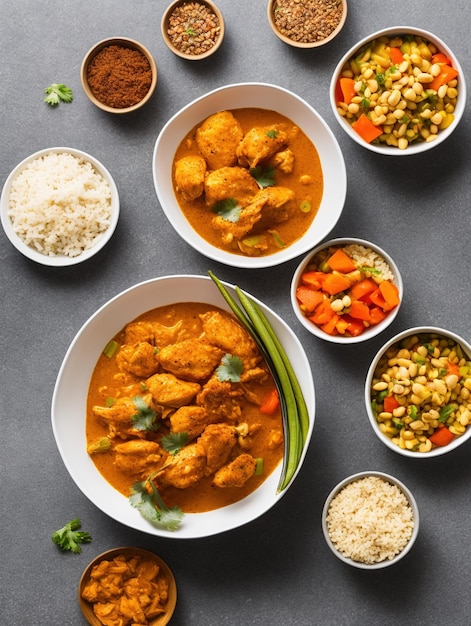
(59, 206)
(352, 322)
(370, 520)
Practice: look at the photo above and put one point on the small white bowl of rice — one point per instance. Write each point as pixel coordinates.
(59, 206)
(370, 520)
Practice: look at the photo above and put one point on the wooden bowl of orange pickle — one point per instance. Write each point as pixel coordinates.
(137, 568)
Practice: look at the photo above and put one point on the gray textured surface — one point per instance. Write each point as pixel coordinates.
(277, 570)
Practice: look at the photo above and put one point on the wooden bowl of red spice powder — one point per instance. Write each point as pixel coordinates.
(119, 75)
(307, 24)
(193, 29)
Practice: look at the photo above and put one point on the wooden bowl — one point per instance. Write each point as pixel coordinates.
(161, 620)
(168, 40)
(316, 43)
(123, 42)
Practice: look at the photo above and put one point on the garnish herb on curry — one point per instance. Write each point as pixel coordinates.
(177, 413)
(249, 181)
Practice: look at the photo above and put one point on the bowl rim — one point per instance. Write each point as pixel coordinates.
(298, 44)
(183, 55)
(81, 468)
(374, 330)
(333, 207)
(126, 42)
(388, 478)
(161, 620)
(419, 330)
(414, 148)
(59, 260)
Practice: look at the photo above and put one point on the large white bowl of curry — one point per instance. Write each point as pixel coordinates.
(81, 386)
(250, 175)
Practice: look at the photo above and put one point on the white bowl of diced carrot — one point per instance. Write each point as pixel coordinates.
(346, 290)
(399, 91)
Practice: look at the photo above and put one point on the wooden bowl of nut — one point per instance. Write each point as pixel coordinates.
(151, 590)
(193, 30)
(309, 24)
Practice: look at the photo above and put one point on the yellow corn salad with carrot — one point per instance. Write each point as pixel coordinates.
(398, 91)
(345, 290)
(421, 392)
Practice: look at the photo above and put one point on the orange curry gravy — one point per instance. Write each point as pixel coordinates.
(305, 180)
(110, 381)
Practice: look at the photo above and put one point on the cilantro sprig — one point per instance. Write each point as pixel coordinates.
(264, 177)
(145, 497)
(58, 92)
(228, 209)
(145, 417)
(230, 369)
(69, 538)
(174, 442)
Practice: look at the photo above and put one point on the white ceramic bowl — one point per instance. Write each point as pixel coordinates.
(261, 96)
(387, 562)
(58, 260)
(436, 451)
(70, 395)
(368, 333)
(416, 147)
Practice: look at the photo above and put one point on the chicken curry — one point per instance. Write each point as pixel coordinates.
(185, 396)
(249, 181)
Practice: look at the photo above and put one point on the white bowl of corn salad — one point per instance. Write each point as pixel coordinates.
(346, 290)
(399, 91)
(418, 392)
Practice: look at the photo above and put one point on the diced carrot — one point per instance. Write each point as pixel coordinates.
(453, 368)
(335, 283)
(362, 288)
(439, 57)
(359, 310)
(390, 403)
(341, 262)
(270, 403)
(378, 298)
(323, 313)
(447, 73)
(390, 294)
(366, 129)
(377, 315)
(355, 327)
(347, 87)
(313, 279)
(309, 298)
(330, 326)
(442, 436)
(396, 56)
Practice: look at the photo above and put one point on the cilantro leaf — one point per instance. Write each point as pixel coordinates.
(151, 506)
(145, 416)
(174, 442)
(230, 369)
(228, 209)
(272, 133)
(69, 537)
(265, 177)
(58, 92)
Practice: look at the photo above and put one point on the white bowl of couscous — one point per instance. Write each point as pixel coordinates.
(59, 207)
(346, 290)
(399, 91)
(418, 392)
(370, 520)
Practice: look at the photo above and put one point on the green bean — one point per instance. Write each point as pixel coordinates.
(293, 407)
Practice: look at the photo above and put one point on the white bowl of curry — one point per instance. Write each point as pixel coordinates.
(249, 175)
(149, 387)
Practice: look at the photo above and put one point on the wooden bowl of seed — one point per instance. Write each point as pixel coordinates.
(193, 30)
(307, 24)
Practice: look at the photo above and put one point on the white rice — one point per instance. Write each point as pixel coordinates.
(60, 204)
(370, 520)
(366, 257)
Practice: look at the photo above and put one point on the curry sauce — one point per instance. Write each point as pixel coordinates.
(292, 161)
(156, 347)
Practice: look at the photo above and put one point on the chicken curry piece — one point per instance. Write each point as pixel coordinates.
(180, 400)
(249, 181)
(125, 592)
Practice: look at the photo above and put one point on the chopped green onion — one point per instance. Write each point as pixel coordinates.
(111, 348)
(305, 206)
(109, 402)
(251, 242)
(259, 466)
(103, 444)
(278, 240)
